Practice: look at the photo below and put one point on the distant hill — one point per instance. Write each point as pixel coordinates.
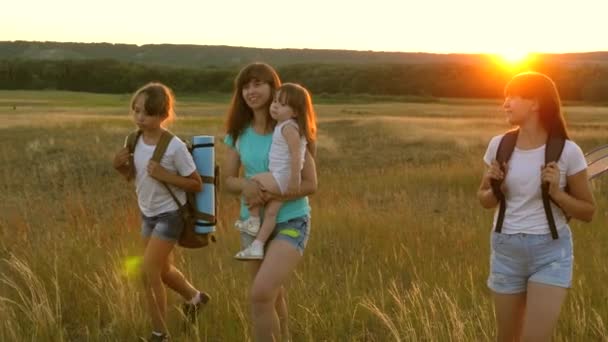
(201, 56)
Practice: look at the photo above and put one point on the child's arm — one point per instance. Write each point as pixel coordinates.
(292, 136)
(121, 162)
(191, 183)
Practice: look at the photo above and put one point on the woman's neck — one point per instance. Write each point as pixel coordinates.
(531, 135)
(261, 123)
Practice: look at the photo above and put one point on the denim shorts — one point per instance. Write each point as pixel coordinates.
(294, 231)
(521, 258)
(166, 226)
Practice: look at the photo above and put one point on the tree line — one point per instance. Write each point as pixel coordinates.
(576, 82)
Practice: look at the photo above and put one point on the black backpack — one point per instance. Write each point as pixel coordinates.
(553, 151)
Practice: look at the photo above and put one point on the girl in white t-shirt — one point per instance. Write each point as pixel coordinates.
(530, 271)
(294, 133)
(152, 107)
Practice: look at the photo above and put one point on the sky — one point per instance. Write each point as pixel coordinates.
(441, 26)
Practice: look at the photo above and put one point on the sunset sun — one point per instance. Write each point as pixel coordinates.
(514, 56)
(512, 59)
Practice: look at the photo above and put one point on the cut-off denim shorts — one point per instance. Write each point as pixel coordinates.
(166, 226)
(517, 259)
(294, 231)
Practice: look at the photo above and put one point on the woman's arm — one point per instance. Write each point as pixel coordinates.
(578, 202)
(308, 185)
(250, 189)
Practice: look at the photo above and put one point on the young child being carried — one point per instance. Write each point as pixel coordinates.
(294, 133)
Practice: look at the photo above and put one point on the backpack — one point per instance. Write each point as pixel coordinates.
(189, 238)
(553, 151)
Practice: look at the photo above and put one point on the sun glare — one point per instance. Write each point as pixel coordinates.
(514, 56)
(513, 59)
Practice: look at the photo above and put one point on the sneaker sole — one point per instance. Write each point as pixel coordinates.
(249, 258)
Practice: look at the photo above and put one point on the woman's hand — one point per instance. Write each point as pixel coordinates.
(550, 174)
(495, 172)
(252, 193)
(485, 194)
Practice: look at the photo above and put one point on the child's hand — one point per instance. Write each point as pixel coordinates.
(121, 159)
(156, 171)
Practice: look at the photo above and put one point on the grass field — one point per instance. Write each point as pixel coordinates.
(399, 247)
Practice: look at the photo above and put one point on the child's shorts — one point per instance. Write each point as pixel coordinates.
(166, 226)
(517, 259)
(294, 231)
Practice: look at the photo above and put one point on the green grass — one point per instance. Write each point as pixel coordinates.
(399, 247)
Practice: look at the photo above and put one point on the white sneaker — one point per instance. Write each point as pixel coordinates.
(239, 224)
(251, 226)
(253, 252)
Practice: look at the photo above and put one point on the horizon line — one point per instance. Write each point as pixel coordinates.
(304, 48)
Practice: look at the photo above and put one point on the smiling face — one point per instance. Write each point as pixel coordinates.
(256, 94)
(519, 110)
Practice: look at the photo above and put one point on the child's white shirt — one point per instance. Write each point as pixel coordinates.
(152, 196)
(279, 158)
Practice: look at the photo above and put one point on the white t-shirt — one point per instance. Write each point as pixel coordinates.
(152, 196)
(524, 204)
(279, 158)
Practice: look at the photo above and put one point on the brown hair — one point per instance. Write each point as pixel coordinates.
(299, 99)
(159, 101)
(239, 113)
(539, 87)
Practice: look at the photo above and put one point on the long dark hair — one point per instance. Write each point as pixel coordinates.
(239, 113)
(539, 87)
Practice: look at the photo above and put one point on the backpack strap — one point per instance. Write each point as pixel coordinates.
(553, 151)
(130, 143)
(503, 155)
(161, 146)
(157, 155)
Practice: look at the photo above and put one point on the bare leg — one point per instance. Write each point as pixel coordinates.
(280, 303)
(155, 259)
(175, 280)
(267, 183)
(270, 220)
(271, 209)
(254, 211)
(281, 308)
(543, 308)
(510, 310)
(279, 263)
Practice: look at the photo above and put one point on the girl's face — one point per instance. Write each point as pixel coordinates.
(141, 117)
(281, 111)
(256, 94)
(519, 110)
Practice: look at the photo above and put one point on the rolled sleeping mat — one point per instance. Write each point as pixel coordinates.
(203, 153)
(597, 162)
